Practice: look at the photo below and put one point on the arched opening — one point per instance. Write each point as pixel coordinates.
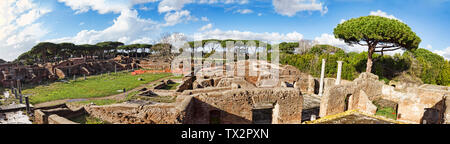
(348, 99)
(214, 117)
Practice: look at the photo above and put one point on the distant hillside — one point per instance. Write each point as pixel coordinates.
(419, 65)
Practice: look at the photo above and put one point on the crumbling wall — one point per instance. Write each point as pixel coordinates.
(55, 119)
(447, 111)
(240, 81)
(187, 84)
(305, 84)
(235, 106)
(334, 97)
(136, 114)
(42, 115)
(419, 103)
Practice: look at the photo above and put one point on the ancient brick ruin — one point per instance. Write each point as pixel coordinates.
(213, 96)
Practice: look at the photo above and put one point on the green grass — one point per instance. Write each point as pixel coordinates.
(97, 102)
(86, 119)
(94, 86)
(172, 86)
(105, 101)
(387, 112)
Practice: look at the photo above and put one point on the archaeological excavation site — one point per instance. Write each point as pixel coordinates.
(241, 92)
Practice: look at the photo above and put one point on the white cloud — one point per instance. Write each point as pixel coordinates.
(444, 53)
(206, 27)
(247, 35)
(19, 29)
(223, 1)
(244, 11)
(127, 28)
(331, 40)
(204, 19)
(291, 7)
(172, 5)
(144, 8)
(173, 18)
(429, 47)
(102, 6)
(383, 14)
(342, 21)
(259, 14)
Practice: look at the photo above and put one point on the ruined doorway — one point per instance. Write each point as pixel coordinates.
(431, 116)
(214, 117)
(348, 99)
(262, 116)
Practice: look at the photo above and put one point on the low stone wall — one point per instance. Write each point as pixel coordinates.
(42, 115)
(205, 90)
(55, 119)
(137, 114)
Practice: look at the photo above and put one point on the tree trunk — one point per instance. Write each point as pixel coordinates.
(369, 59)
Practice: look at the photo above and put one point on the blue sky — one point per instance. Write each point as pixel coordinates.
(27, 22)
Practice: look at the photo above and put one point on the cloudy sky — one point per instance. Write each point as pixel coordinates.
(23, 23)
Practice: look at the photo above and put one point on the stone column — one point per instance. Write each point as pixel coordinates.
(339, 72)
(322, 76)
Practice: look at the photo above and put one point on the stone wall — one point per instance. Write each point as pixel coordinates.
(137, 114)
(235, 106)
(55, 119)
(42, 115)
(187, 84)
(416, 104)
(358, 95)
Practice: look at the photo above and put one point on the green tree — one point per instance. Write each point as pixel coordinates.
(42, 50)
(379, 34)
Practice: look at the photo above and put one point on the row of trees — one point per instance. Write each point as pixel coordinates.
(418, 65)
(51, 52)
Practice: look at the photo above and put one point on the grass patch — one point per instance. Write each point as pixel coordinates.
(172, 86)
(94, 86)
(387, 112)
(97, 102)
(159, 99)
(86, 119)
(105, 101)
